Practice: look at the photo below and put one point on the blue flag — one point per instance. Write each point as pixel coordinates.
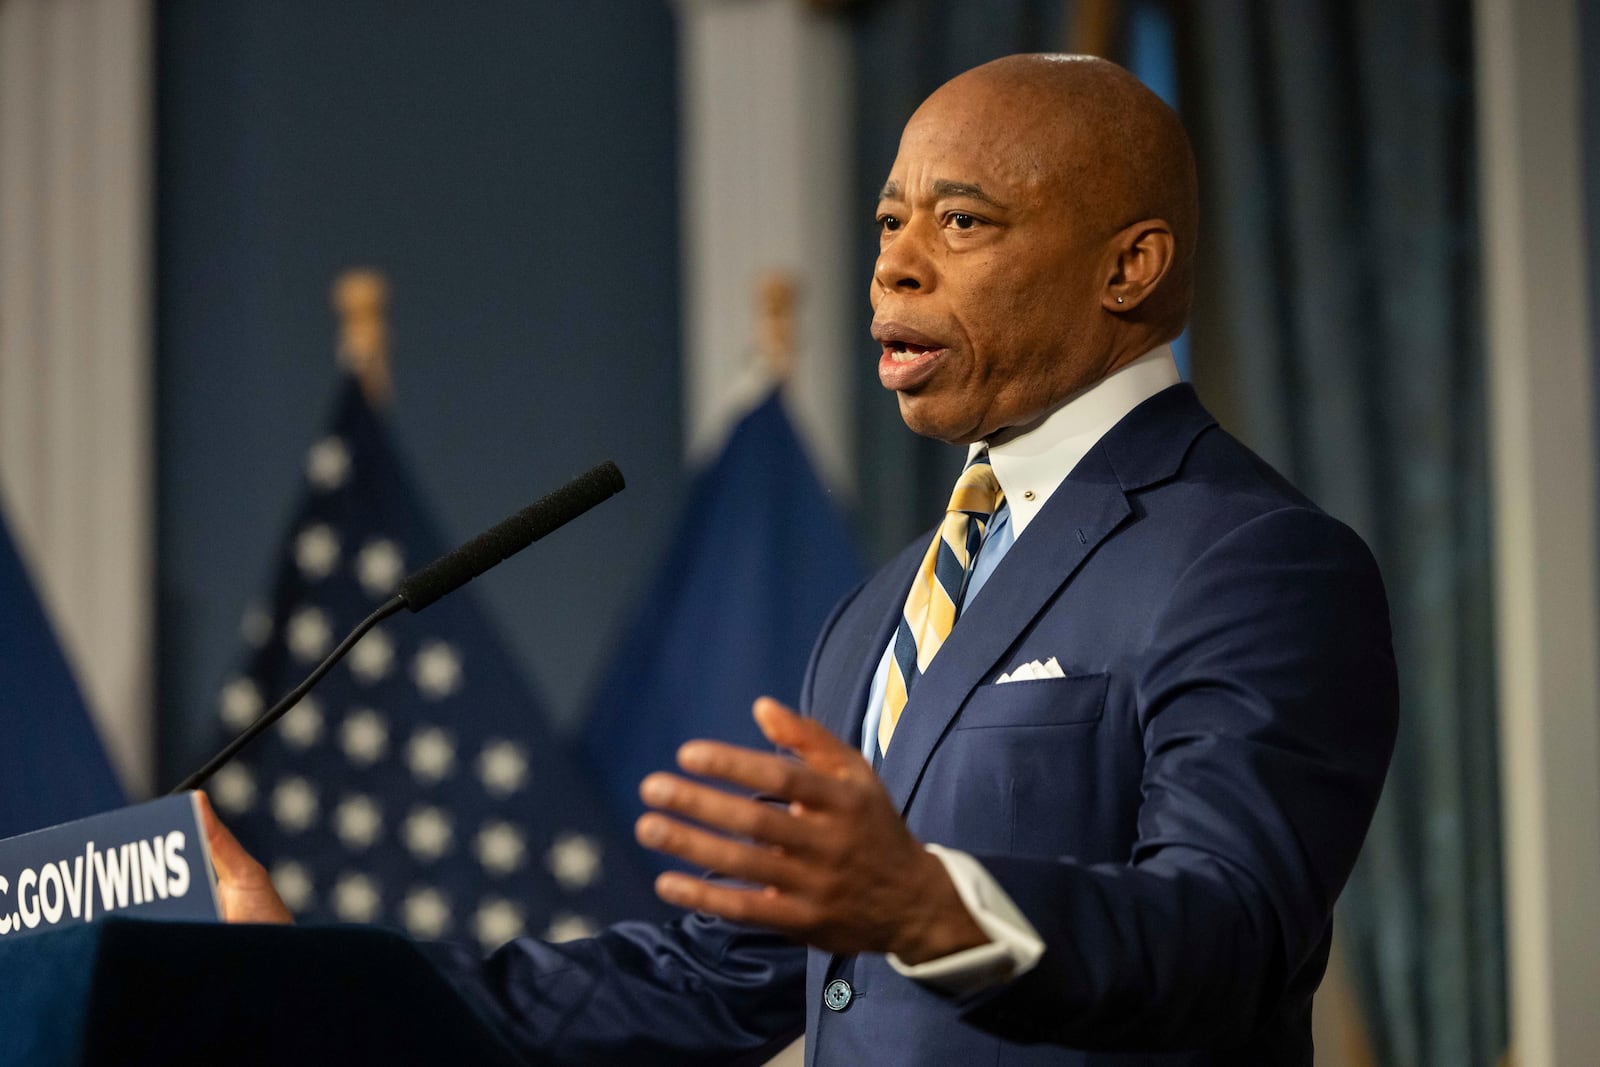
(419, 785)
(759, 558)
(52, 767)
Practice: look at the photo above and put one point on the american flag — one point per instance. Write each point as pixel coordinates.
(418, 786)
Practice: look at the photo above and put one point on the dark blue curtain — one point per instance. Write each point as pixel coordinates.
(1338, 327)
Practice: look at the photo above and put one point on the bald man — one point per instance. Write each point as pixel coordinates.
(1077, 778)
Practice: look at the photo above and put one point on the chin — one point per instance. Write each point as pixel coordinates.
(924, 420)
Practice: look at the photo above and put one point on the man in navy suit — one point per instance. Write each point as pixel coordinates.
(1110, 822)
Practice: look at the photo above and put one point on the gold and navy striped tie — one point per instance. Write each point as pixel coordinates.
(939, 587)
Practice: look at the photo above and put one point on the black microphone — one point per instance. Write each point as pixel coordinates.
(515, 533)
(444, 575)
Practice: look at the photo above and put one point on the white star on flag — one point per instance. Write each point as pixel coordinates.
(503, 768)
(358, 820)
(240, 703)
(426, 912)
(356, 898)
(436, 670)
(293, 883)
(310, 636)
(566, 926)
(328, 464)
(233, 788)
(301, 727)
(574, 861)
(500, 848)
(364, 737)
(431, 754)
(316, 551)
(497, 921)
(379, 567)
(294, 804)
(427, 833)
(255, 627)
(373, 657)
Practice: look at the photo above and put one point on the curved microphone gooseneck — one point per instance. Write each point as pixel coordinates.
(441, 577)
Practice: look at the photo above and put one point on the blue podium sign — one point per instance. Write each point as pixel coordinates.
(146, 861)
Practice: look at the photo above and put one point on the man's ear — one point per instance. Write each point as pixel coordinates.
(1140, 256)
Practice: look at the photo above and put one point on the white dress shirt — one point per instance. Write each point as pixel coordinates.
(1028, 467)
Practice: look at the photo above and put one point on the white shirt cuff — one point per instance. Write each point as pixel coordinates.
(1014, 945)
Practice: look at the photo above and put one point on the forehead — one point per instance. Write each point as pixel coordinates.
(1011, 141)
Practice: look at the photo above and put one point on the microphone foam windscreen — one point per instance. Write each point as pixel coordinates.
(511, 536)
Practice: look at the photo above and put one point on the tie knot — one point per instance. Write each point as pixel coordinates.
(977, 491)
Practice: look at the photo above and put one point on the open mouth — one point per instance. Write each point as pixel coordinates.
(907, 366)
(905, 352)
(910, 358)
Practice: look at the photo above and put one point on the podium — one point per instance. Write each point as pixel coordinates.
(127, 991)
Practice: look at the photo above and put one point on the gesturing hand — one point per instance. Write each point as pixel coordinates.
(835, 868)
(243, 885)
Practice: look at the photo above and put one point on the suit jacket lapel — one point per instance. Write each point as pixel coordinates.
(1078, 517)
(840, 703)
(1145, 447)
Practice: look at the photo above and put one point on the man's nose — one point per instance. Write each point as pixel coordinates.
(903, 265)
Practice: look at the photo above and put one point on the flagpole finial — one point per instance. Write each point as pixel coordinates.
(777, 302)
(1094, 27)
(361, 300)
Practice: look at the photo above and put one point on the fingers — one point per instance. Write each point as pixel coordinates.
(756, 907)
(835, 867)
(728, 812)
(806, 738)
(829, 786)
(755, 863)
(764, 773)
(810, 782)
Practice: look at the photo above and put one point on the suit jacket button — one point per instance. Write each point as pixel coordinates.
(838, 994)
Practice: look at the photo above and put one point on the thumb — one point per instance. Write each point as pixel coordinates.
(243, 885)
(805, 737)
(234, 865)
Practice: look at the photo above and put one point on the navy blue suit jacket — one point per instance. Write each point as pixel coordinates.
(1175, 817)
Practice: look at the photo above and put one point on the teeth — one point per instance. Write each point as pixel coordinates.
(903, 355)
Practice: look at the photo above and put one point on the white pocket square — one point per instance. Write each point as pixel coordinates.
(1032, 671)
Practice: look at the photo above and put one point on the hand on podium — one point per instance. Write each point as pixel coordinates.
(243, 885)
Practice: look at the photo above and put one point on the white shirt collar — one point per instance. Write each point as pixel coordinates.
(1030, 466)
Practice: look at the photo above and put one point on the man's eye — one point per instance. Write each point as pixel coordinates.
(888, 223)
(961, 221)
